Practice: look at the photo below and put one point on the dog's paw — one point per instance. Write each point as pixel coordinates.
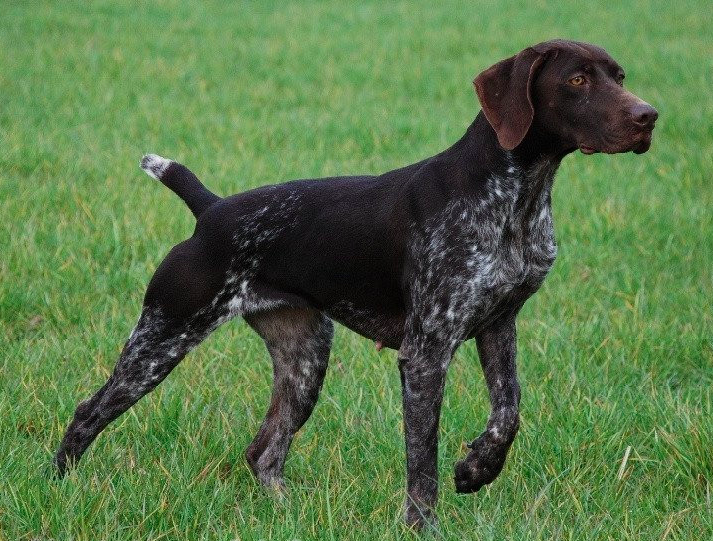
(418, 518)
(154, 165)
(59, 466)
(275, 488)
(269, 477)
(470, 478)
(62, 463)
(482, 465)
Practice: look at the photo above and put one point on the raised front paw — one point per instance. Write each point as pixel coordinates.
(480, 467)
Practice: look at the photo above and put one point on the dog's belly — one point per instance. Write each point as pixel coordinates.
(385, 328)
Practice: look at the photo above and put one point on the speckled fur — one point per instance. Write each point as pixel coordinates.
(418, 259)
(299, 341)
(477, 263)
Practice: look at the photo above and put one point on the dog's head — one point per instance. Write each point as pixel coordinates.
(570, 91)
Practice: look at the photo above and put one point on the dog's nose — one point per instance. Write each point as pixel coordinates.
(644, 115)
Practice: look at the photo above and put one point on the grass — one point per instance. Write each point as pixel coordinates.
(615, 351)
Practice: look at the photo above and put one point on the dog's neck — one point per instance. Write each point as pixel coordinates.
(479, 146)
(534, 161)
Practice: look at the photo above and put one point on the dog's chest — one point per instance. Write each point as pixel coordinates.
(510, 242)
(487, 255)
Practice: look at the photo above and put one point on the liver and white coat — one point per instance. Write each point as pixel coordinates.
(419, 259)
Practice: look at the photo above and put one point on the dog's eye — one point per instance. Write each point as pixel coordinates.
(620, 80)
(579, 80)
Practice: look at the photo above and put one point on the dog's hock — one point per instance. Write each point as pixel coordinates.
(155, 165)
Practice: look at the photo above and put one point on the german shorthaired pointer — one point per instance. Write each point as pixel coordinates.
(418, 259)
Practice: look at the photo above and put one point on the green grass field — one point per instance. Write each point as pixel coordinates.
(615, 351)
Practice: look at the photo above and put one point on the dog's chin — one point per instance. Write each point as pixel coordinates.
(638, 146)
(643, 144)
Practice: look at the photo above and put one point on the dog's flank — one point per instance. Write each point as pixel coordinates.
(418, 259)
(181, 181)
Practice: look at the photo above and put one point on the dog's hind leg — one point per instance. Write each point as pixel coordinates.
(298, 340)
(180, 310)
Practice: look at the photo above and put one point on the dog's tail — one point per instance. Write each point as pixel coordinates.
(181, 181)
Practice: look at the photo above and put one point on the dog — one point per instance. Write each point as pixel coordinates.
(419, 259)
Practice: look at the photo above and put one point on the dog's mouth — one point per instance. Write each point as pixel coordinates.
(639, 145)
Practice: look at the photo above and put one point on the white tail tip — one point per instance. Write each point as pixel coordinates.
(155, 165)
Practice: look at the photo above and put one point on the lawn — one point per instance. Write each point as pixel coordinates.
(615, 351)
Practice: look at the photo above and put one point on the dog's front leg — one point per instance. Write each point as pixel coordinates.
(423, 370)
(496, 348)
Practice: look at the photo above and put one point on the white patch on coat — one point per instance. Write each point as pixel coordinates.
(475, 253)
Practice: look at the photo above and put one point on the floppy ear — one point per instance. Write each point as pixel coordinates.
(504, 94)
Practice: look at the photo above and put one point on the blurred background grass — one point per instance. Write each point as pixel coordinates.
(616, 350)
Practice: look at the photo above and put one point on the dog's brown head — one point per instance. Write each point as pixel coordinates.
(569, 90)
